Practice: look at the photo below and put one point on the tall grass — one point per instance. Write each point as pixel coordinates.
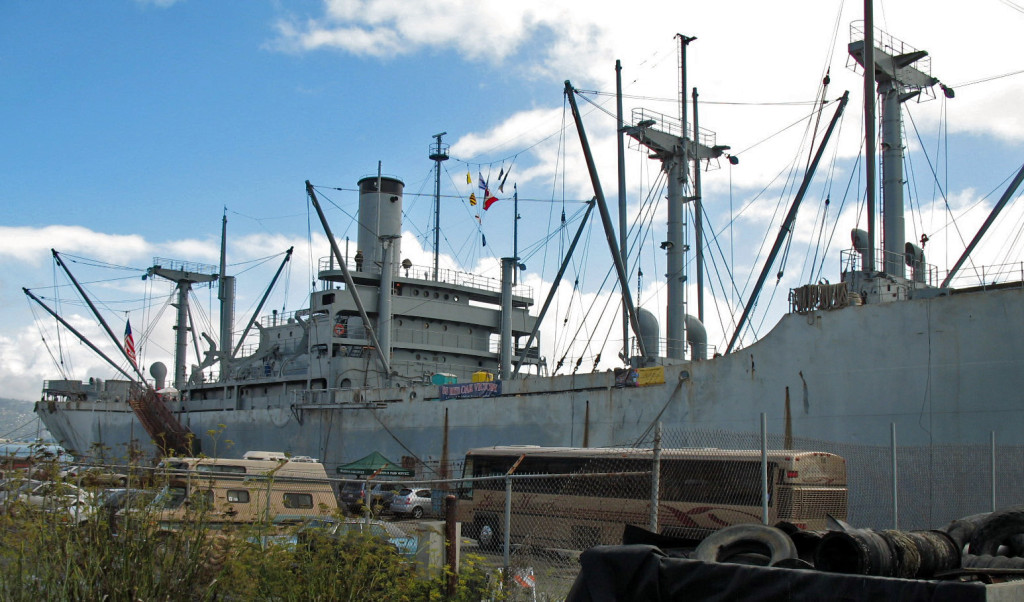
(50, 556)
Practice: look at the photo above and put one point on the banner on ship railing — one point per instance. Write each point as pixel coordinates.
(469, 390)
(639, 377)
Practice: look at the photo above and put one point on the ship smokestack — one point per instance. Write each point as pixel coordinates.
(380, 217)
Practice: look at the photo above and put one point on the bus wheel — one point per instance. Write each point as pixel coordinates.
(745, 540)
(417, 512)
(490, 537)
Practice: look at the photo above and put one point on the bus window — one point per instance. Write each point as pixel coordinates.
(170, 497)
(238, 496)
(298, 500)
(229, 468)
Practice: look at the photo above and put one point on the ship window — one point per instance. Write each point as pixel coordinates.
(444, 327)
(436, 294)
(238, 496)
(426, 325)
(456, 297)
(417, 357)
(298, 500)
(328, 298)
(446, 296)
(399, 322)
(416, 293)
(345, 383)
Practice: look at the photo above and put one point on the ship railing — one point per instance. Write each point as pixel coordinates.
(185, 266)
(923, 272)
(983, 276)
(893, 47)
(275, 318)
(671, 125)
(427, 273)
(969, 276)
(693, 350)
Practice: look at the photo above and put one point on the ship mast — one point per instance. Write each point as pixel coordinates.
(184, 275)
(671, 144)
(900, 73)
(438, 154)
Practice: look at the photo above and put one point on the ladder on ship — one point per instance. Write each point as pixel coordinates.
(163, 427)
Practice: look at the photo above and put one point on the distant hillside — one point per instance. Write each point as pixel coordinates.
(17, 421)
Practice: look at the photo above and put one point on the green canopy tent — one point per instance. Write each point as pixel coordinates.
(374, 464)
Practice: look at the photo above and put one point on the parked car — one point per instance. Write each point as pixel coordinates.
(405, 544)
(307, 533)
(63, 500)
(412, 502)
(11, 488)
(355, 494)
(94, 476)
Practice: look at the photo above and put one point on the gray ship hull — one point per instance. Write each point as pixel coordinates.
(946, 370)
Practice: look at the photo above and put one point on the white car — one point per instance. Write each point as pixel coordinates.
(63, 500)
(412, 502)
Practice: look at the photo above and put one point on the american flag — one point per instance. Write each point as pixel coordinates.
(129, 342)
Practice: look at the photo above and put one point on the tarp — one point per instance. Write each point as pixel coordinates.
(374, 465)
(644, 572)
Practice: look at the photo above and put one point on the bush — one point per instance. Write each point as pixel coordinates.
(137, 559)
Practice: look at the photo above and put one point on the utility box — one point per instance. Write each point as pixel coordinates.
(483, 376)
(444, 379)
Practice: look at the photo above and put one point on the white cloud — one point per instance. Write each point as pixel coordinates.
(32, 244)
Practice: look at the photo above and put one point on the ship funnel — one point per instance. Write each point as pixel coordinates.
(860, 243)
(380, 217)
(914, 256)
(649, 330)
(697, 337)
(159, 373)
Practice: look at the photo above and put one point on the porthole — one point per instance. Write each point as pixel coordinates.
(456, 297)
(418, 357)
(436, 294)
(446, 296)
(444, 327)
(426, 325)
(399, 322)
(415, 293)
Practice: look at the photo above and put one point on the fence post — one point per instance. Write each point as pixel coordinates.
(895, 493)
(993, 471)
(764, 468)
(506, 532)
(656, 478)
(451, 545)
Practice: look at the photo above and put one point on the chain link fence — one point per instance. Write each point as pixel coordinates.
(530, 517)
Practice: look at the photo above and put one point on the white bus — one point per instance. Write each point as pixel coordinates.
(701, 490)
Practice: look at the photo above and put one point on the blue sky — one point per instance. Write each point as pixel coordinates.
(130, 125)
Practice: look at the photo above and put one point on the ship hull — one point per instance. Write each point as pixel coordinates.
(944, 371)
